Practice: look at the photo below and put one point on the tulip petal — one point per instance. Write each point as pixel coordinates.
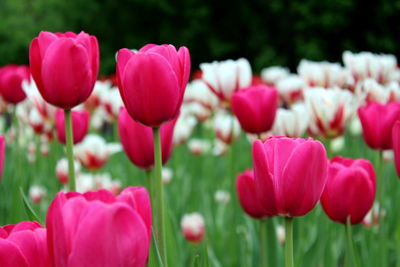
(11, 255)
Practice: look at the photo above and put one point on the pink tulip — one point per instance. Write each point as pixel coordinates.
(246, 190)
(152, 82)
(11, 78)
(80, 125)
(137, 140)
(98, 229)
(23, 245)
(396, 145)
(2, 154)
(290, 174)
(377, 121)
(64, 67)
(350, 189)
(255, 108)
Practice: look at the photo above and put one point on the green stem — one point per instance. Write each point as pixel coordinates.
(289, 262)
(150, 184)
(159, 195)
(350, 246)
(263, 243)
(70, 150)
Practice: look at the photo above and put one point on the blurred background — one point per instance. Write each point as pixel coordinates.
(267, 32)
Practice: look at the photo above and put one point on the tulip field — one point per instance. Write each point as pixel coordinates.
(168, 164)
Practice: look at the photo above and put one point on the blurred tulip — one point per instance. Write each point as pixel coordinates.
(330, 110)
(337, 144)
(292, 122)
(152, 82)
(291, 89)
(199, 146)
(246, 190)
(137, 140)
(226, 77)
(198, 91)
(377, 121)
(93, 152)
(222, 197)
(193, 227)
(349, 190)
(166, 175)
(80, 125)
(64, 67)
(11, 78)
(280, 234)
(226, 127)
(255, 107)
(113, 231)
(272, 75)
(37, 193)
(184, 126)
(62, 170)
(372, 91)
(286, 184)
(23, 245)
(2, 154)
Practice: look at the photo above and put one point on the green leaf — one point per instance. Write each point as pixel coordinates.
(28, 208)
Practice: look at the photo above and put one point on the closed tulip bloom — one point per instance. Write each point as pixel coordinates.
(152, 82)
(2, 154)
(377, 121)
(255, 108)
(292, 122)
(98, 229)
(11, 78)
(23, 245)
(137, 140)
(193, 227)
(290, 174)
(396, 145)
(349, 190)
(80, 125)
(246, 190)
(64, 67)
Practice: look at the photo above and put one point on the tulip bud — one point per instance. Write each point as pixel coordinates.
(272, 75)
(280, 234)
(199, 146)
(11, 78)
(37, 193)
(62, 170)
(222, 197)
(166, 175)
(193, 227)
(337, 144)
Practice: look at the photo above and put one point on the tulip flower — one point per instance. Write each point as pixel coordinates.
(350, 189)
(62, 170)
(37, 193)
(113, 231)
(11, 78)
(199, 146)
(152, 82)
(137, 140)
(255, 108)
(396, 145)
(93, 152)
(2, 154)
(226, 77)
(272, 75)
(246, 190)
(197, 91)
(291, 89)
(370, 90)
(64, 67)
(226, 127)
(330, 111)
(80, 125)
(377, 121)
(292, 122)
(193, 227)
(23, 245)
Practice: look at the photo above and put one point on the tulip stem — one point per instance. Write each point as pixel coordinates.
(159, 195)
(70, 150)
(263, 243)
(289, 262)
(350, 245)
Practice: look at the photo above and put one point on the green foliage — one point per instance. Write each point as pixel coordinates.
(272, 32)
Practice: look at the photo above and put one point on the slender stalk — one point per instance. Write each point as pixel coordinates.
(150, 184)
(159, 195)
(351, 253)
(381, 192)
(70, 150)
(289, 262)
(263, 243)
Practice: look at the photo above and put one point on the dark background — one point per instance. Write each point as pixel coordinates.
(267, 32)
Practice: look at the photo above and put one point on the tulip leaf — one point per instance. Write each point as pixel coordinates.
(28, 208)
(160, 263)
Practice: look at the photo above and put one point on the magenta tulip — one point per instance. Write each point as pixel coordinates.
(377, 121)
(137, 140)
(23, 245)
(11, 78)
(2, 154)
(396, 146)
(246, 190)
(290, 174)
(255, 108)
(349, 190)
(98, 229)
(152, 82)
(80, 125)
(64, 67)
